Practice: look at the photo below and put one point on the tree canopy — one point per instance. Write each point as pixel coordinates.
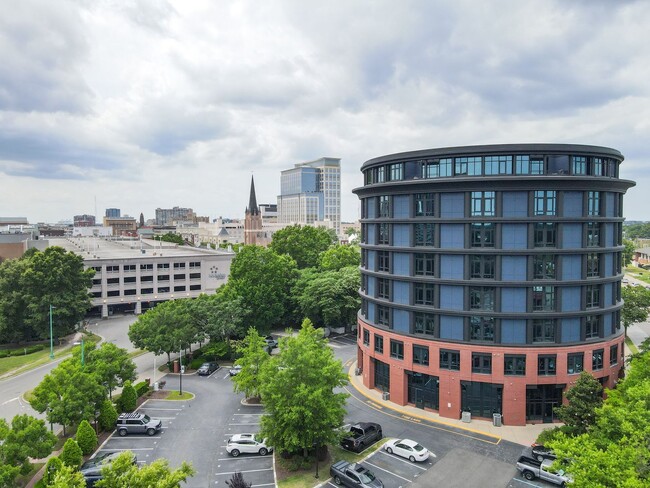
(340, 256)
(122, 473)
(637, 231)
(298, 391)
(220, 316)
(111, 364)
(263, 280)
(170, 237)
(253, 357)
(636, 305)
(29, 285)
(303, 243)
(583, 398)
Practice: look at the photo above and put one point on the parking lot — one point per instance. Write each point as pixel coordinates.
(392, 470)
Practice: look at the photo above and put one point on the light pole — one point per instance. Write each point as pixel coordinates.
(51, 341)
(180, 369)
(83, 362)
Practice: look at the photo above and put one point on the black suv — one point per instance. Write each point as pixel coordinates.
(137, 423)
(92, 469)
(206, 369)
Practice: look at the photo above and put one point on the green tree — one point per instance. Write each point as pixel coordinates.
(637, 231)
(330, 298)
(167, 328)
(122, 473)
(67, 477)
(51, 277)
(303, 243)
(636, 302)
(340, 256)
(170, 237)
(351, 231)
(628, 252)
(253, 357)
(129, 398)
(237, 481)
(112, 366)
(69, 394)
(584, 398)
(26, 437)
(220, 316)
(107, 415)
(53, 465)
(263, 280)
(298, 390)
(71, 454)
(86, 437)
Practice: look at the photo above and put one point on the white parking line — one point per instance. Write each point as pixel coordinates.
(246, 423)
(248, 471)
(232, 458)
(263, 484)
(134, 449)
(249, 414)
(161, 408)
(389, 472)
(393, 456)
(525, 482)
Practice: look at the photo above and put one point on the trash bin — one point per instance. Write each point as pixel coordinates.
(496, 419)
(466, 417)
(385, 395)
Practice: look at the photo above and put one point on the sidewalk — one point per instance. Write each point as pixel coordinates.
(524, 435)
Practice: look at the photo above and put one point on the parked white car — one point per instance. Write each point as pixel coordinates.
(408, 449)
(248, 444)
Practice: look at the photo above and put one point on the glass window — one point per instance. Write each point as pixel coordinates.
(593, 234)
(423, 234)
(384, 206)
(483, 203)
(396, 349)
(383, 261)
(498, 165)
(579, 165)
(596, 166)
(543, 298)
(366, 337)
(527, 165)
(597, 359)
(593, 203)
(423, 293)
(544, 234)
(432, 168)
(543, 330)
(383, 315)
(424, 264)
(421, 355)
(613, 354)
(424, 324)
(382, 375)
(449, 360)
(424, 204)
(383, 288)
(514, 365)
(481, 329)
(396, 171)
(575, 363)
(592, 326)
(384, 233)
(536, 165)
(544, 267)
(467, 166)
(593, 265)
(481, 363)
(545, 202)
(381, 174)
(482, 297)
(546, 365)
(379, 344)
(482, 234)
(593, 295)
(481, 266)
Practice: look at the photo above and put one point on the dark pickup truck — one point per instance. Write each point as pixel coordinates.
(361, 435)
(354, 476)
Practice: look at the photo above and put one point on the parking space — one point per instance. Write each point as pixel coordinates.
(337, 341)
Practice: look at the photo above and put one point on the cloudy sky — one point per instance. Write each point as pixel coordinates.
(154, 103)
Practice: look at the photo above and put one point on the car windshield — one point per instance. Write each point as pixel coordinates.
(146, 418)
(366, 476)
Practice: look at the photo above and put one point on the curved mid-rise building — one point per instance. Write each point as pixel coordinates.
(491, 276)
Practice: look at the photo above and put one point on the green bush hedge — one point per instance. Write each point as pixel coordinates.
(141, 388)
(196, 363)
(22, 351)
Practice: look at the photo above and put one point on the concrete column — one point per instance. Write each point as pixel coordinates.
(138, 308)
(104, 311)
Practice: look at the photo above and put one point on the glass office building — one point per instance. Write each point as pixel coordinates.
(491, 276)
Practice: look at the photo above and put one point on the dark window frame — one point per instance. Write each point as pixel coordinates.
(517, 367)
(575, 363)
(547, 364)
(482, 234)
(481, 363)
(420, 355)
(396, 349)
(450, 359)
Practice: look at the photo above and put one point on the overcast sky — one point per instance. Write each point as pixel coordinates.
(146, 104)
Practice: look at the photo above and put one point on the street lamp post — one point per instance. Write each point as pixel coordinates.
(51, 341)
(180, 369)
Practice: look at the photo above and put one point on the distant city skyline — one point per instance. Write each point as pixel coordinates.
(144, 105)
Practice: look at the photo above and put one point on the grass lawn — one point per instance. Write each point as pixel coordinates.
(175, 395)
(307, 477)
(638, 273)
(631, 345)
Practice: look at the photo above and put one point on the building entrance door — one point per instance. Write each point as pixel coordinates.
(423, 391)
(541, 400)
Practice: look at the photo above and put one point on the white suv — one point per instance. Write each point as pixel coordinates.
(247, 443)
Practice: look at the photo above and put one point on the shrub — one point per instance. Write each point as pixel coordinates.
(196, 363)
(129, 398)
(4, 353)
(141, 388)
(71, 455)
(52, 466)
(107, 415)
(237, 481)
(548, 435)
(86, 437)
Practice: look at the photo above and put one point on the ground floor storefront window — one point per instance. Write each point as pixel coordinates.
(482, 399)
(423, 390)
(382, 376)
(541, 400)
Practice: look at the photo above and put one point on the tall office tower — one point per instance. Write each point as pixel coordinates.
(113, 213)
(166, 216)
(491, 276)
(311, 192)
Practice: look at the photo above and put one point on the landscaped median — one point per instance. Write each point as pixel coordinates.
(290, 477)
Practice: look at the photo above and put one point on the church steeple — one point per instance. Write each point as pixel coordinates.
(252, 201)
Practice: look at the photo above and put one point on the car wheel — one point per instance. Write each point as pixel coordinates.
(412, 459)
(529, 475)
(122, 432)
(234, 452)
(337, 480)
(540, 458)
(263, 451)
(151, 432)
(389, 450)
